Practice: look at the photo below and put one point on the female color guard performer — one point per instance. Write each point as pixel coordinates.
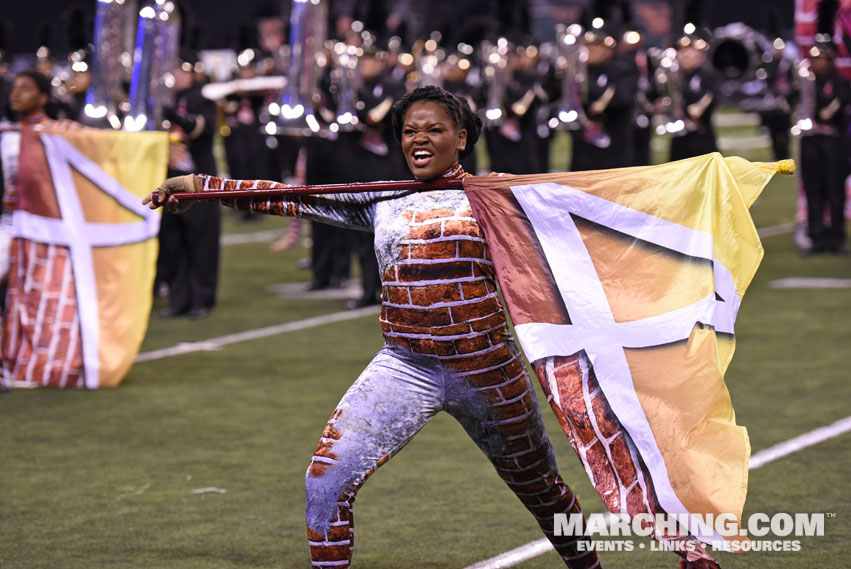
(447, 345)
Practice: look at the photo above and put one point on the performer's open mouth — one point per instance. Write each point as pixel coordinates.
(422, 157)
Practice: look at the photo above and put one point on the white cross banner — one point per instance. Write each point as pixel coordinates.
(623, 286)
(82, 256)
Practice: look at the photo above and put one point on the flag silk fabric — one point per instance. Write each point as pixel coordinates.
(623, 286)
(82, 256)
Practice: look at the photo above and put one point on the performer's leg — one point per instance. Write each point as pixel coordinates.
(500, 412)
(341, 255)
(173, 236)
(836, 166)
(364, 247)
(203, 224)
(321, 254)
(813, 178)
(389, 403)
(168, 257)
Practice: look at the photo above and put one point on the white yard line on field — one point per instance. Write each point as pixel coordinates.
(519, 555)
(810, 283)
(763, 457)
(778, 229)
(221, 341)
(814, 437)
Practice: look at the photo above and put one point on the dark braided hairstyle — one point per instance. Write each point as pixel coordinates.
(457, 108)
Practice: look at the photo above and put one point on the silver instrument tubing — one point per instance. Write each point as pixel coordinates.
(154, 60)
(111, 61)
(308, 33)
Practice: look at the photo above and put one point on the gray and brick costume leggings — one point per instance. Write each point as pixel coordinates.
(393, 399)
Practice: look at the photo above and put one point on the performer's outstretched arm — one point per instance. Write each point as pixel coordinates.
(353, 210)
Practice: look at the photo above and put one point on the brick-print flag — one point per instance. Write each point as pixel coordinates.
(623, 286)
(82, 257)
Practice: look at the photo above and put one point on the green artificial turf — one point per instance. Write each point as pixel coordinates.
(102, 479)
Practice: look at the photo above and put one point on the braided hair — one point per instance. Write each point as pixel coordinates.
(456, 107)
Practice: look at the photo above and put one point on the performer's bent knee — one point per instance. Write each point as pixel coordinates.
(326, 490)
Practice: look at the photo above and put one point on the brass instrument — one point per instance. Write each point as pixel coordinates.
(347, 80)
(548, 58)
(668, 79)
(741, 55)
(111, 61)
(804, 116)
(497, 74)
(154, 61)
(308, 33)
(572, 63)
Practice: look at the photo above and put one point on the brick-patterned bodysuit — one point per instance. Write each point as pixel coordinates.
(447, 348)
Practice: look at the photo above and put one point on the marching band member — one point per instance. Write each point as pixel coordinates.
(514, 146)
(189, 245)
(245, 144)
(611, 87)
(697, 85)
(778, 120)
(646, 94)
(824, 151)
